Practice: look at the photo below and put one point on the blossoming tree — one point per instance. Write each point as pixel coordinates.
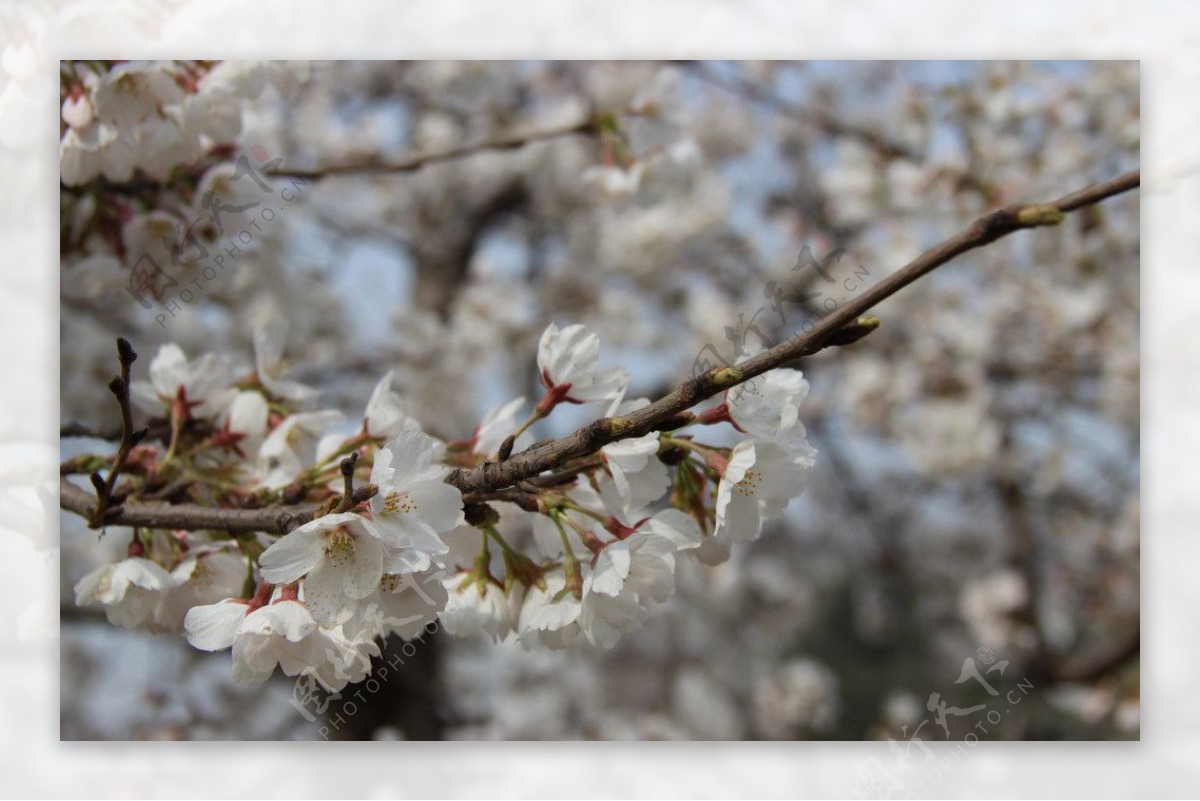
(300, 538)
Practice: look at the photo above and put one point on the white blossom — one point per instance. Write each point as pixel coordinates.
(197, 384)
(131, 118)
(212, 627)
(284, 634)
(569, 359)
(292, 446)
(414, 503)
(630, 574)
(130, 590)
(495, 427)
(475, 607)
(658, 112)
(164, 142)
(800, 696)
(604, 617)
(96, 277)
(245, 420)
(385, 415)
(269, 339)
(347, 659)
(341, 558)
(463, 544)
(117, 156)
(77, 111)
(988, 604)
(402, 604)
(218, 188)
(152, 234)
(79, 153)
(133, 92)
(202, 578)
(549, 616)
(950, 436)
(637, 477)
(217, 118)
(759, 482)
(238, 79)
(768, 408)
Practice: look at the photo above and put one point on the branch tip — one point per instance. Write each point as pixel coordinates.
(348, 501)
(1040, 214)
(854, 331)
(506, 448)
(125, 352)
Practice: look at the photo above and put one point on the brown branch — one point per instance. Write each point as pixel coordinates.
(156, 429)
(416, 161)
(493, 481)
(352, 497)
(272, 520)
(589, 439)
(106, 502)
(525, 494)
(279, 519)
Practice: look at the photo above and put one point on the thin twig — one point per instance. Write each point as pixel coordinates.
(349, 499)
(586, 127)
(411, 163)
(157, 429)
(589, 439)
(105, 501)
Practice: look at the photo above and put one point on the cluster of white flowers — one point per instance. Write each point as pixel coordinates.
(410, 553)
(152, 116)
(762, 474)
(346, 578)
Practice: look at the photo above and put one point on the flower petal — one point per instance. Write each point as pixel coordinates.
(212, 627)
(294, 555)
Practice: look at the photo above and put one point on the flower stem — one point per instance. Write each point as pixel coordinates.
(491, 531)
(533, 418)
(574, 576)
